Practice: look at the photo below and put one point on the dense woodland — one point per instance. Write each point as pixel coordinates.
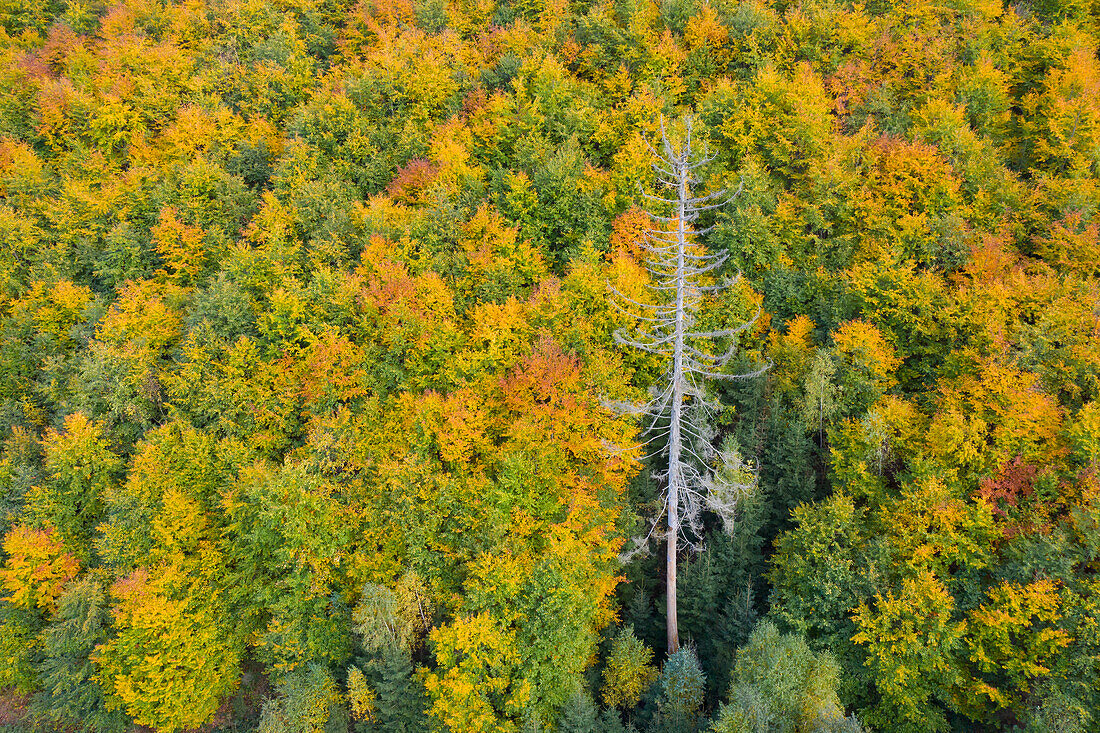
(308, 365)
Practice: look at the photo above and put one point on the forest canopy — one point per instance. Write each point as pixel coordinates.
(308, 359)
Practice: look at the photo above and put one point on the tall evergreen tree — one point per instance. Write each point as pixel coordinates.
(69, 693)
(578, 715)
(401, 701)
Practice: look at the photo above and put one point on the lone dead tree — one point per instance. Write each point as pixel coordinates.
(682, 275)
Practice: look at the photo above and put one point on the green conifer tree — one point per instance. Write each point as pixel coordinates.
(610, 722)
(578, 715)
(68, 693)
(401, 701)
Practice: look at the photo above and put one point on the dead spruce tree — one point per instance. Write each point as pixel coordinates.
(680, 415)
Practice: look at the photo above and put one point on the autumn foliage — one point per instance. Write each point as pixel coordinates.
(311, 406)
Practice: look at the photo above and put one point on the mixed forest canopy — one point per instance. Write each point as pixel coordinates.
(307, 353)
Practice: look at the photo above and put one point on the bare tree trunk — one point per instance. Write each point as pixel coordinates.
(675, 435)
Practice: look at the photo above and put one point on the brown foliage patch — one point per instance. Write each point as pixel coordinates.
(411, 181)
